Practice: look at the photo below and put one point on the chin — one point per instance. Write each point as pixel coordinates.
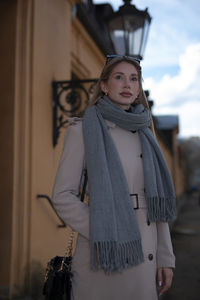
(128, 103)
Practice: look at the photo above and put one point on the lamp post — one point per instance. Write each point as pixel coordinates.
(129, 29)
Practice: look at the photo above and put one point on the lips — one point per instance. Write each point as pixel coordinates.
(126, 94)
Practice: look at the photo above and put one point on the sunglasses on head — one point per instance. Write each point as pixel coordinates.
(111, 56)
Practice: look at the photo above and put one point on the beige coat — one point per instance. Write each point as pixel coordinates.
(136, 283)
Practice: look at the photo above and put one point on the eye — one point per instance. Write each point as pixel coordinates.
(118, 76)
(134, 78)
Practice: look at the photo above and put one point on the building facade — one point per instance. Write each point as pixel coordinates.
(41, 41)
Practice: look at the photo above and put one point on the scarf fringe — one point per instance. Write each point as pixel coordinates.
(161, 209)
(114, 257)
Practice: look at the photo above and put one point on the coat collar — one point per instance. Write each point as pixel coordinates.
(110, 124)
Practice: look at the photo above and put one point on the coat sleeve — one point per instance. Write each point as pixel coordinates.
(165, 255)
(65, 196)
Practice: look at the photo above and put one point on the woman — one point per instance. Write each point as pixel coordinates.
(124, 249)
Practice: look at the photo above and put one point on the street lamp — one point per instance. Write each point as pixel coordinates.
(129, 29)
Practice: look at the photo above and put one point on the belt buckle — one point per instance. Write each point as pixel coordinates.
(137, 201)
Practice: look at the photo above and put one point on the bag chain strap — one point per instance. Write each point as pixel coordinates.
(68, 252)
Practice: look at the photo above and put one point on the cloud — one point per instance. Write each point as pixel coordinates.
(180, 94)
(174, 26)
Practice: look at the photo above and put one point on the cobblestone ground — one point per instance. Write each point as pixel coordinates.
(186, 243)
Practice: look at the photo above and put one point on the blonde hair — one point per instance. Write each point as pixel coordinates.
(105, 74)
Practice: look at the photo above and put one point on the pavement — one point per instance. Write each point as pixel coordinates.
(186, 243)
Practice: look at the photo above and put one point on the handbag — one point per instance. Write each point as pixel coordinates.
(58, 276)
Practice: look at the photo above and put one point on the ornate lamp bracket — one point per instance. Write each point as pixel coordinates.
(70, 99)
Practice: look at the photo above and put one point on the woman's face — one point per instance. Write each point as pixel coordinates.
(123, 85)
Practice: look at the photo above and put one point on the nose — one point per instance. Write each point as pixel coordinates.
(126, 82)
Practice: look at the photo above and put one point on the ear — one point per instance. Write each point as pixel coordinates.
(103, 87)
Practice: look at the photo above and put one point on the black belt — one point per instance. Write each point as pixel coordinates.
(137, 201)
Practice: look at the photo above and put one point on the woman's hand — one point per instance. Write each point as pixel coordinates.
(164, 279)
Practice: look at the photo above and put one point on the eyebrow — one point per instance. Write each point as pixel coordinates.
(135, 74)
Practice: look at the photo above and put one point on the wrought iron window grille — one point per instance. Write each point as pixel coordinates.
(70, 99)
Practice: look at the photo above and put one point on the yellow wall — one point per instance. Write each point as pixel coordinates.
(41, 43)
(173, 164)
(51, 60)
(86, 59)
(7, 69)
(167, 155)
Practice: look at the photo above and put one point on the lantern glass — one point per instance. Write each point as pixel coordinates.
(145, 36)
(129, 31)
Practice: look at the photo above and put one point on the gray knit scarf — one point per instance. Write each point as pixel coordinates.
(115, 239)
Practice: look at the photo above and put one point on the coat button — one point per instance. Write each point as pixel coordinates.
(150, 256)
(141, 155)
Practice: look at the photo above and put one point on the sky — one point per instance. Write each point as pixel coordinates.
(171, 62)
